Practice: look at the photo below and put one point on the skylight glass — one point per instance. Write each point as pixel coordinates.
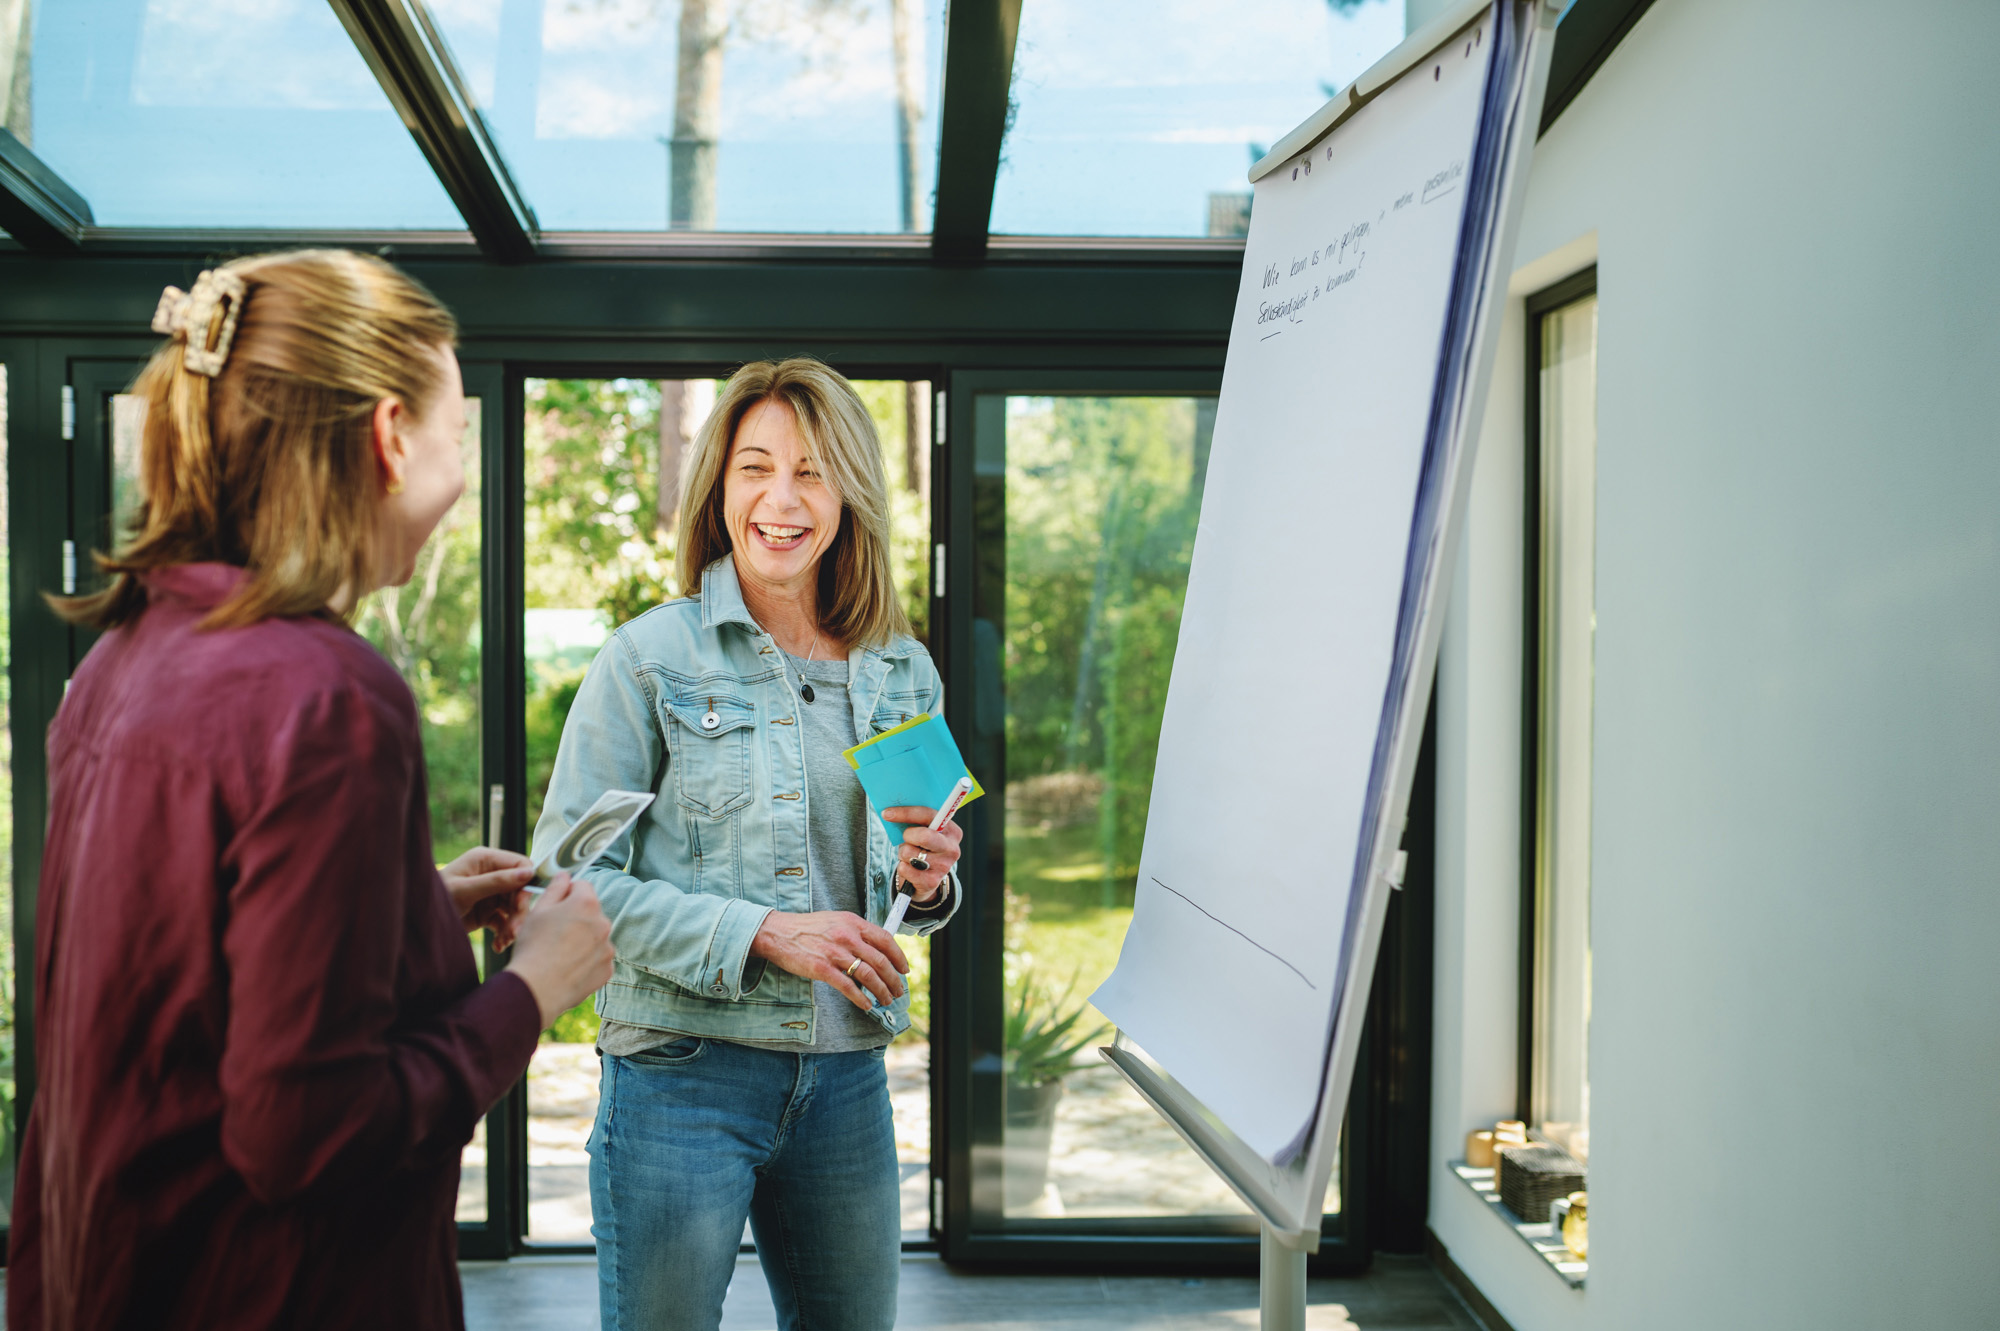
(220, 113)
(1142, 117)
(710, 115)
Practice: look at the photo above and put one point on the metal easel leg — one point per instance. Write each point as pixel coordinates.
(1281, 1281)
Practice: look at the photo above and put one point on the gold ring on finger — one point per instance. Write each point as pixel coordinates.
(853, 966)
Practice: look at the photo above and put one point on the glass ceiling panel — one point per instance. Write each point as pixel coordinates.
(219, 113)
(709, 115)
(1142, 117)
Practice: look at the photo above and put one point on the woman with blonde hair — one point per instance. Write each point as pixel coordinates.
(755, 988)
(261, 1038)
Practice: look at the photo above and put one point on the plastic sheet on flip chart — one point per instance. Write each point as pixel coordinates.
(1338, 357)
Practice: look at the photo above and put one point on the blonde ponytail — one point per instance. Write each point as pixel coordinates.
(257, 449)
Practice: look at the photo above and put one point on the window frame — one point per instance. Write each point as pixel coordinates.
(1374, 1165)
(1539, 306)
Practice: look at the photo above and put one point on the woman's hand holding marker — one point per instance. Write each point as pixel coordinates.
(928, 852)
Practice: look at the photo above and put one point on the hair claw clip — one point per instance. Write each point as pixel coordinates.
(192, 316)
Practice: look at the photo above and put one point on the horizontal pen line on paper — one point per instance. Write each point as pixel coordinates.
(1266, 338)
(1245, 937)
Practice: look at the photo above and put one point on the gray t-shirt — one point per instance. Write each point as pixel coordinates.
(836, 865)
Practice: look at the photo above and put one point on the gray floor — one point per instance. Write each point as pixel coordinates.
(560, 1294)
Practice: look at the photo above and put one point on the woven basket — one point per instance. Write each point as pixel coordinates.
(1532, 1176)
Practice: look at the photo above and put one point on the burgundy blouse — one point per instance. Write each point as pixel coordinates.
(260, 1036)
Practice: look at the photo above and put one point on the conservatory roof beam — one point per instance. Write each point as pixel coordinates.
(37, 207)
(1590, 32)
(409, 58)
(978, 73)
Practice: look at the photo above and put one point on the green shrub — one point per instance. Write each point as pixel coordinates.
(576, 1026)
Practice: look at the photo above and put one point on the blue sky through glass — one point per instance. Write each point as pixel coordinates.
(223, 113)
(580, 93)
(1130, 113)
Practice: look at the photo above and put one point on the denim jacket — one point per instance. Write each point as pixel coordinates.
(725, 842)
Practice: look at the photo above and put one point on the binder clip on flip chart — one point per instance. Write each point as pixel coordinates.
(601, 824)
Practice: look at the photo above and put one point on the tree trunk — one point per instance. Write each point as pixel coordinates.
(697, 115)
(1100, 590)
(684, 405)
(906, 46)
(916, 436)
(16, 60)
(673, 445)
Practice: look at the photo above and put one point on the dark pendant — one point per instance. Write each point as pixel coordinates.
(806, 692)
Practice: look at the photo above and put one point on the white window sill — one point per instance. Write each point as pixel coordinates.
(1541, 1237)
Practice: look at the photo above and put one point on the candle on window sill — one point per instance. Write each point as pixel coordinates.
(1576, 1226)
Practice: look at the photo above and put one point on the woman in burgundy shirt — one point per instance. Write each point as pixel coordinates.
(261, 1040)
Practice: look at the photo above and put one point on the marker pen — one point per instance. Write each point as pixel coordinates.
(904, 892)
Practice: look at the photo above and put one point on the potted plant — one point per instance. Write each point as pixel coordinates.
(1042, 1042)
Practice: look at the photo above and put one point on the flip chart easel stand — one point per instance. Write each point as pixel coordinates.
(1282, 1249)
(1281, 1284)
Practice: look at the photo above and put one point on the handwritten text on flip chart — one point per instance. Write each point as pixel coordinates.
(1343, 257)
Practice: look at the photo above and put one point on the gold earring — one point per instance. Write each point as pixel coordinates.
(396, 485)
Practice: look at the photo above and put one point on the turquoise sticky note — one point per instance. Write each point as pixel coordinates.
(916, 764)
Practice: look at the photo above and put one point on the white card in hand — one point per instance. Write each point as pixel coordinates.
(601, 824)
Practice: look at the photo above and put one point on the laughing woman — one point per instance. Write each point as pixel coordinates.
(755, 990)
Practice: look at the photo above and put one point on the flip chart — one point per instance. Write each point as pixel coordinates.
(1358, 348)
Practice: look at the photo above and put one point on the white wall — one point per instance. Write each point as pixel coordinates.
(1795, 1049)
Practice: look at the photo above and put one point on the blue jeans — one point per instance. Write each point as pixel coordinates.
(695, 1136)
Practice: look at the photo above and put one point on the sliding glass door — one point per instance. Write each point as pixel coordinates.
(599, 481)
(1077, 524)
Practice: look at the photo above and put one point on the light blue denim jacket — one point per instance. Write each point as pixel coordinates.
(725, 842)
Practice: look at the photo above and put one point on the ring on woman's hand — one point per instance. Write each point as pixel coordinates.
(852, 966)
(920, 863)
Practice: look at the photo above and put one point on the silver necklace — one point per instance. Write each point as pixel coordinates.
(805, 688)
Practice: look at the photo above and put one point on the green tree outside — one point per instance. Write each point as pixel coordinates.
(429, 630)
(1102, 499)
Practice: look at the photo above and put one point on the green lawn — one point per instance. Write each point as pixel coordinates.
(1064, 920)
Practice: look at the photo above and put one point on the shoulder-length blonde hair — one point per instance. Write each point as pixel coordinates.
(857, 587)
(270, 464)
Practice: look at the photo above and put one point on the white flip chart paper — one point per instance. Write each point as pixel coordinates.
(1230, 972)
